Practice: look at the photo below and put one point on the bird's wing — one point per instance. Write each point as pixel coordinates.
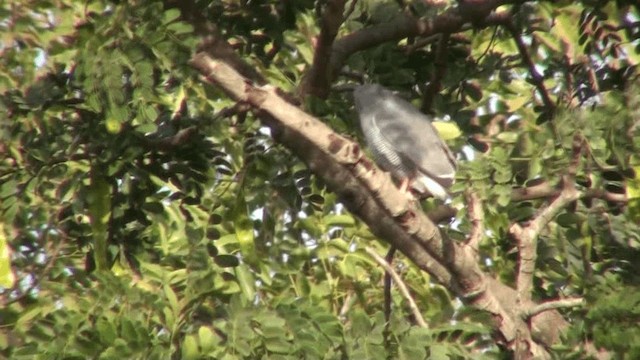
(412, 135)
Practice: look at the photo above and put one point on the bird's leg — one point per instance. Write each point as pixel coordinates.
(404, 185)
(405, 188)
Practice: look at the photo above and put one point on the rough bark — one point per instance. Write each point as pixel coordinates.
(370, 194)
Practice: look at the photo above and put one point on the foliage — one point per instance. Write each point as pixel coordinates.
(144, 216)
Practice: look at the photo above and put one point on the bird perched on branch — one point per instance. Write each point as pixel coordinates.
(403, 142)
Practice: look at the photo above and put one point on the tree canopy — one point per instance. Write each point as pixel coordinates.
(187, 179)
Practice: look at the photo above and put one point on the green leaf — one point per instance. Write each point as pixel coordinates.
(508, 137)
(106, 330)
(172, 298)
(438, 352)
(226, 260)
(448, 130)
(179, 28)
(207, 339)
(149, 113)
(7, 278)
(190, 348)
(277, 345)
(243, 227)
(99, 212)
(246, 281)
(342, 220)
(360, 323)
(170, 15)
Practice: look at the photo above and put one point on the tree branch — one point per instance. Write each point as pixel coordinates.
(438, 73)
(387, 287)
(527, 237)
(476, 217)
(318, 80)
(171, 142)
(401, 286)
(369, 193)
(544, 190)
(450, 21)
(536, 78)
(550, 305)
(341, 163)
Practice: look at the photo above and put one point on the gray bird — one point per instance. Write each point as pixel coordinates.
(403, 142)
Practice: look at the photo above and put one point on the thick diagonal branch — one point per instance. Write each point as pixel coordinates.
(371, 195)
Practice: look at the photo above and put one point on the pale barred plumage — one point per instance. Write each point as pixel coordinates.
(403, 141)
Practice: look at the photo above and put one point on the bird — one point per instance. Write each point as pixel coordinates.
(404, 142)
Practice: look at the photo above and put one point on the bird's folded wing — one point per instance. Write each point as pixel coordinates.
(412, 135)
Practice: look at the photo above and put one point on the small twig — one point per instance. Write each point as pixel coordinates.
(349, 300)
(351, 9)
(578, 146)
(551, 305)
(387, 286)
(536, 78)
(235, 109)
(422, 42)
(476, 217)
(171, 142)
(401, 286)
(489, 46)
(386, 333)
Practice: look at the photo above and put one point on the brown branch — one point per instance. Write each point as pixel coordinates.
(554, 304)
(450, 21)
(527, 237)
(370, 194)
(351, 9)
(545, 190)
(422, 42)
(171, 142)
(538, 191)
(476, 217)
(439, 70)
(404, 290)
(536, 78)
(213, 41)
(318, 80)
(336, 159)
(442, 213)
